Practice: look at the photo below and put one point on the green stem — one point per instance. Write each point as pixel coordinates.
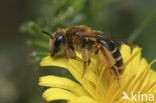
(135, 34)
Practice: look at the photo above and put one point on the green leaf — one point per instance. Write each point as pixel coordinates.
(39, 53)
(73, 9)
(38, 44)
(34, 30)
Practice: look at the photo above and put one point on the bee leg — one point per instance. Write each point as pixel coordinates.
(116, 73)
(51, 54)
(77, 58)
(85, 64)
(72, 55)
(85, 57)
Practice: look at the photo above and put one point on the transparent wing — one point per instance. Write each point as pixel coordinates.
(100, 35)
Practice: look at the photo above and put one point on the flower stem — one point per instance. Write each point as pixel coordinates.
(135, 34)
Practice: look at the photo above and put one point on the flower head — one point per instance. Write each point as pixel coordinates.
(98, 84)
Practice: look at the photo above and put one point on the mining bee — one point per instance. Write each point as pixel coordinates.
(86, 41)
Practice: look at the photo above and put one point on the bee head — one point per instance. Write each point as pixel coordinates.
(58, 41)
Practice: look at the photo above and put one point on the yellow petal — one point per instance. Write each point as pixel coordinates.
(91, 74)
(125, 52)
(135, 63)
(136, 77)
(152, 75)
(52, 94)
(76, 68)
(49, 61)
(83, 99)
(152, 72)
(61, 82)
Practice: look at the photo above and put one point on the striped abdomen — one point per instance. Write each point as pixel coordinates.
(115, 53)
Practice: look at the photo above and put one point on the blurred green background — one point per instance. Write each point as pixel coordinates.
(22, 45)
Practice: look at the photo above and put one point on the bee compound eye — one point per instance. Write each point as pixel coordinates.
(60, 38)
(57, 43)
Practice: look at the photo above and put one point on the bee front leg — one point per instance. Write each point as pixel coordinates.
(71, 54)
(86, 59)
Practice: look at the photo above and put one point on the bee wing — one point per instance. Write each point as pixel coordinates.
(121, 41)
(100, 35)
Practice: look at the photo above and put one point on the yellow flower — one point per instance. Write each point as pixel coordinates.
(137, 83)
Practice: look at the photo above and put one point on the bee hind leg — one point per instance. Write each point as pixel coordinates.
(116, 73)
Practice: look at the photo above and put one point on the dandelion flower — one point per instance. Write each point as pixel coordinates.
(137, 82)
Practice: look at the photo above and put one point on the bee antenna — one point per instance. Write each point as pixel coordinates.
(47, 34)
(48, 23)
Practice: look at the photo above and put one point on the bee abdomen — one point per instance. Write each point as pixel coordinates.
(114, 52)
(118, 59)
(117, 56)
